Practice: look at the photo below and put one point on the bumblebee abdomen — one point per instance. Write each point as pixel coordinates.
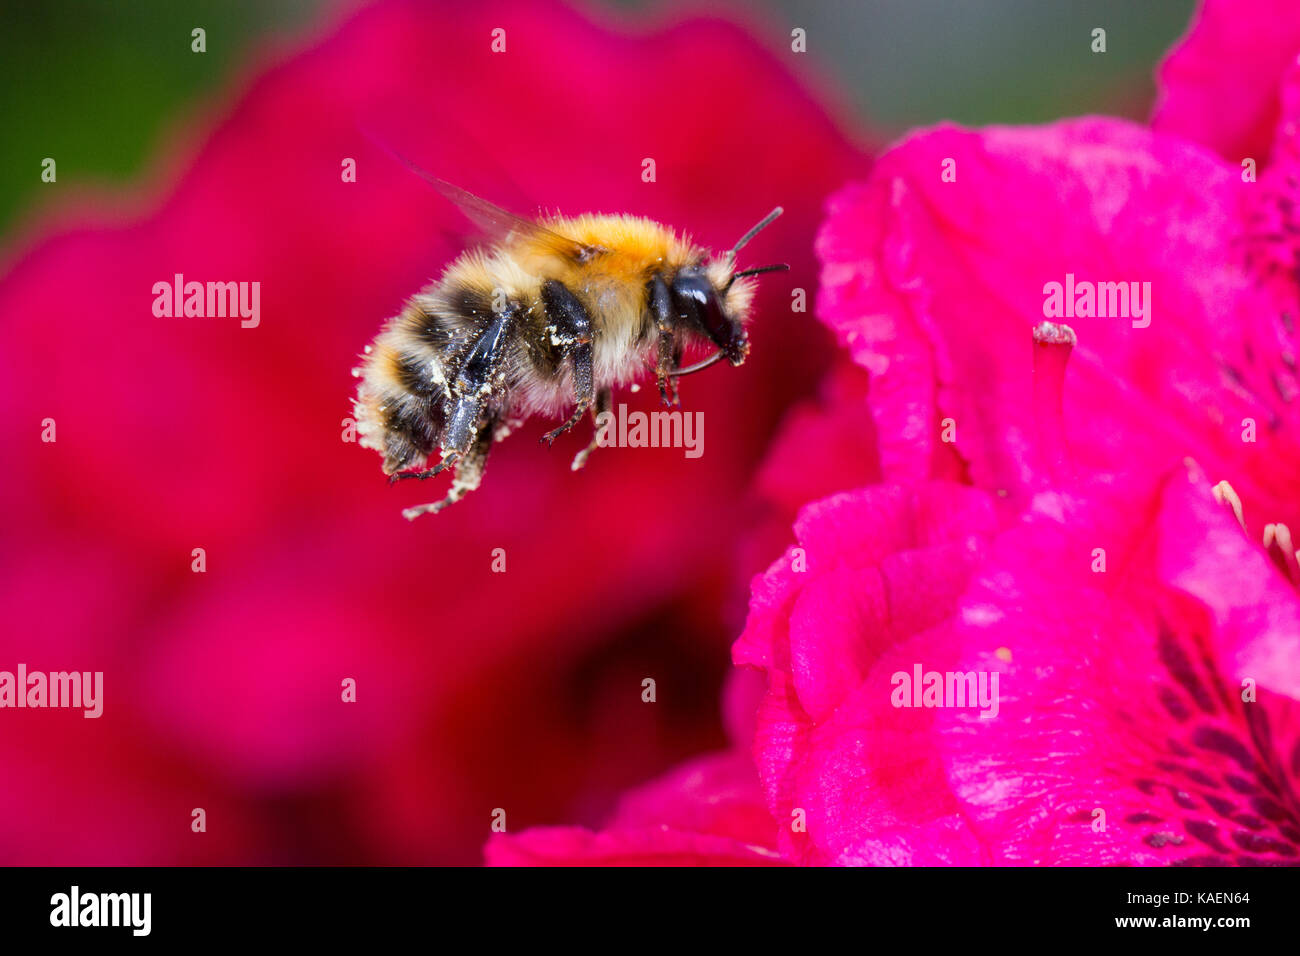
(400, 403)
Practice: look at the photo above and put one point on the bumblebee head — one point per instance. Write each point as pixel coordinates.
(715, 299)
(706, 305)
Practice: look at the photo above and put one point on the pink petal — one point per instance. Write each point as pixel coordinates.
(884, 568)
(707, 812)
(1116, 708)
(1219, 85)
(935, 287)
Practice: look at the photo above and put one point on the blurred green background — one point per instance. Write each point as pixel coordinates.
(97, 85)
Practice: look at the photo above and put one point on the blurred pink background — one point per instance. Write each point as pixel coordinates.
(475, 690)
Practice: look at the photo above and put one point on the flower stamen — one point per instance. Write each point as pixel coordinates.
(1277, 536)
(1281, 549)
(1224, 495)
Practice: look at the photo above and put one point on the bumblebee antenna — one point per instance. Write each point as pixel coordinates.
(763, 224)
(747, 237)
(759, 270)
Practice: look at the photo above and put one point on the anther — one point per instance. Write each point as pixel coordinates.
(1224, 495)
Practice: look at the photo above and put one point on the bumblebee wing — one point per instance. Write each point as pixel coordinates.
(498, 223)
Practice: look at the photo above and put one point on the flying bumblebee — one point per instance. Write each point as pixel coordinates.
(555, 313)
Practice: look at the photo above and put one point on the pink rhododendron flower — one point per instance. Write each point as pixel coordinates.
(1141, 647)
(475, 690)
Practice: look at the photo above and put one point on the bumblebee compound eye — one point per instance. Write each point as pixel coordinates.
(696, 302)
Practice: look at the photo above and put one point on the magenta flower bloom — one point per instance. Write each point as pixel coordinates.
(1126, 657)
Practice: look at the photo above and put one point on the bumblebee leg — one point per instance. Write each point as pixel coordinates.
(603, 401)
(572, 328)
(437, 469)
(469, 474)
(583, 405)
(479, 379)
(469, 428)
(667, 353)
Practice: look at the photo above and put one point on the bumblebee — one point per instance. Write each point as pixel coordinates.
(554, 313)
